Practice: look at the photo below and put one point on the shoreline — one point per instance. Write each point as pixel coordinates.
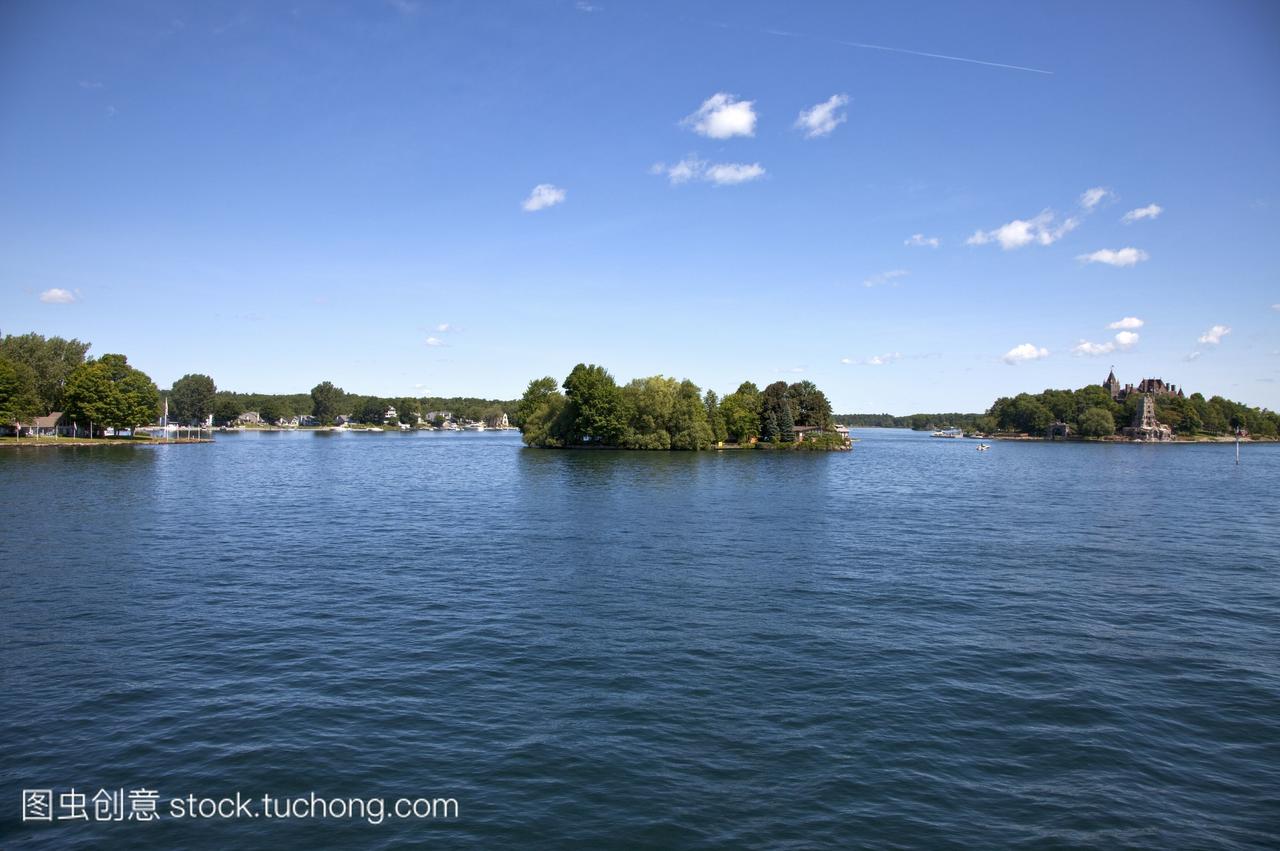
(52, 443)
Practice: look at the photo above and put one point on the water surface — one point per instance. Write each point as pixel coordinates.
(910, 645)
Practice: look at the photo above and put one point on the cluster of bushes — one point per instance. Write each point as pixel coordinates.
(1091, 412)
(663, 413)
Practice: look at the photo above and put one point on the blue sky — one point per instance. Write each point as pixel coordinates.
(278, 195)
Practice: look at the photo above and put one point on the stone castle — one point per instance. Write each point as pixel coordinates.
(1154, 386)
(1145, 426)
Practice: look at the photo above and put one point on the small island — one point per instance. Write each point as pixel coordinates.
(661, 413)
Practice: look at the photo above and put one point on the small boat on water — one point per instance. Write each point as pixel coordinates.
(949, 432)
(983, 447)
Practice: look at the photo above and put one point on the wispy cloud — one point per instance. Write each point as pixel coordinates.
(584, 6)
(57, 295)
(727, 174)
(1024, 353)
(435, 342)
(445, 328)
(821, 119)
(920, 240)
(1129, 323)
(874, 360)
(90, 84)
(723, 116)
(1122, 341)
(1091, 198)
(543, 195)
(1214, 335)
(1151, 211)
(1275, 307)
(885, 278)
(1118, 257)
(721, 174)
(1041, 230)
(1192, 356)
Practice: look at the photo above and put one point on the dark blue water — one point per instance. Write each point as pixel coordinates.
(912, 645)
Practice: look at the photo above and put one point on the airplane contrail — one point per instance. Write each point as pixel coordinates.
(866, 46)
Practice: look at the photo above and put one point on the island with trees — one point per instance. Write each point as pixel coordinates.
(591, 410)
(1095, 413)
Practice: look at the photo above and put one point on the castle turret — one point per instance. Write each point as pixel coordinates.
(1112, 384)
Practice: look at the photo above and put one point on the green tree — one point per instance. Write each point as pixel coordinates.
(809, 405)
(52, 360)
(19, 401)
(535, 396)
(109, 392)
(1097, 422)
(719, 432)
(326, 400)
(786, 423)
(769, 427)
(594, 405)
(740, 414)
(191, 399)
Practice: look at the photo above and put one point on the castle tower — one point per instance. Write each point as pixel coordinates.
(1112, 384)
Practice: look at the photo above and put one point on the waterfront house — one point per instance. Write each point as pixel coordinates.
(249, 418)
(497, 421)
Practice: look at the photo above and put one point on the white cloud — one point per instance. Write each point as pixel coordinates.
(543, 195)
(919, 239)
(1192, 356)
(1150, 211)
(1121, 341)
(846, 360)
(687, 169)
(882, 360)
(57, 296)
(1091, 198)
(723, 116)
(727, 174)
(445, 327)
(885, 277)
(1120, 257)
(1214, 335)
(1019, 232)
(434, 341)
(1275, 307)
(1084, 347)
(1126, 339)
(721, 174)
(821, 119)
(1023, 353)
(1129, 323)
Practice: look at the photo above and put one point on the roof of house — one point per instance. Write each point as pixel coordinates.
(48, 422)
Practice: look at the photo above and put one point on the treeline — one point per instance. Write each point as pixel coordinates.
(40, 375)
(1091, 412)
(918, 422)
(325, 402)
(665, 413)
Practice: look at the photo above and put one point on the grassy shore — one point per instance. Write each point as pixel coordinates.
(141, 440)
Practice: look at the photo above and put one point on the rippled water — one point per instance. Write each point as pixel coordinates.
(910, 645)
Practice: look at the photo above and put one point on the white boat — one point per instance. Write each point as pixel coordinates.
(949, 432)
(982, 447)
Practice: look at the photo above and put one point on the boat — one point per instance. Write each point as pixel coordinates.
(949, 432)
(983, 447)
